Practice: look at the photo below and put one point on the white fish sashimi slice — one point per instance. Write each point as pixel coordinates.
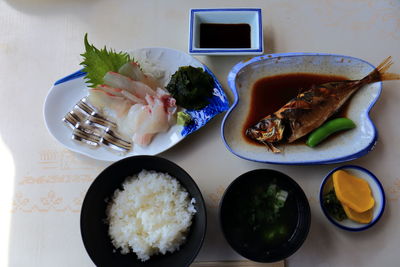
(160, 92)
(110, 90)
(169, 103)
(133, 71)
(139, 111)
(108, 102)
(152, 119)
(135, 116)
(141, 120)
(132, 97)
(172, 118)
(120, 92)
(158, 121)
(136, 88)
(143, 139)
(159, 116)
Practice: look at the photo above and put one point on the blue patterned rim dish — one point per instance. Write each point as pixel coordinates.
(377, 191)
(68, 91)
(248, 71)
(218, 103)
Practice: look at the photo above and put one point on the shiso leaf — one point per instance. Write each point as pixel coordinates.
(191, 87)
(97, 62)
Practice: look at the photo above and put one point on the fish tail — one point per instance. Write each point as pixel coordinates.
(390, 76)
(381, 74)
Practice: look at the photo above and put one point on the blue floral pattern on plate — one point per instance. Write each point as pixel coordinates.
(72, 88)
(218, 103)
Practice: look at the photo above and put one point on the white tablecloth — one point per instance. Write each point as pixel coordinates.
(43, 184)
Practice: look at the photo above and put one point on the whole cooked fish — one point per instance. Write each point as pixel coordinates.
(311, 108)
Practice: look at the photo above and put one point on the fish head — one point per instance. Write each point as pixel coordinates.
(268, 130)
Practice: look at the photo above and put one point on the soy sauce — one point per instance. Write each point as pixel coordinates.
(269, 94)
(217, 35)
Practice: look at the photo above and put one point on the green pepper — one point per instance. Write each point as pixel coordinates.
(329, 128)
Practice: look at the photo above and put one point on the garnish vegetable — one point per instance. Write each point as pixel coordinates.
(329, 128)
(333, 206)
(183, 118)
(266, 205)
(263, 214)
(265, 211)
(191, 87)
(97, 62)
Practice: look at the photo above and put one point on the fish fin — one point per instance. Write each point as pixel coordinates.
(295, 104)
(390, 76)
(380, 73)
(383, 67)
(272, 147)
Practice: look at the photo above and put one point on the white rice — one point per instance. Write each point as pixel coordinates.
(151, 215)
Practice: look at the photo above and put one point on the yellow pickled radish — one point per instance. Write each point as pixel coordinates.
(361, 217)
(353, 191)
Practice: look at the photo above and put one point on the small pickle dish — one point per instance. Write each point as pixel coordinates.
(367, 187)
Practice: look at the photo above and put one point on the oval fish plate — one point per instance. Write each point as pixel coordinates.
(67, 91)
(346, 146)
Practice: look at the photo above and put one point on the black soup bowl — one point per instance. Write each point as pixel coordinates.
(265, 215)
(94, 228)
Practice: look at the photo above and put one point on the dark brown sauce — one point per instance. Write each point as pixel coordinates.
(271, 93)
(216, 35)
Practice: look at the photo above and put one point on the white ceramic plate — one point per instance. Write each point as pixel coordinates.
(67, 91)
(347, 146)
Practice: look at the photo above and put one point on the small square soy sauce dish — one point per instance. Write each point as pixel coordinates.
(226, 31)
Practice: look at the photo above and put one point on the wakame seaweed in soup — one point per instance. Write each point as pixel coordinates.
(263, 215)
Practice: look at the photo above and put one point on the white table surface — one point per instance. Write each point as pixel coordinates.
(43, 184)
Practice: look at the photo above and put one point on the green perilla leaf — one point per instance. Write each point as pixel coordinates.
(96, 63)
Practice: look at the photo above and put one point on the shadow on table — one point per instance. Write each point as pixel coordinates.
(326, 242)
(215, 246)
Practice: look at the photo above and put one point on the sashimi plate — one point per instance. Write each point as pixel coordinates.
(66, 92)
(346, 146)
